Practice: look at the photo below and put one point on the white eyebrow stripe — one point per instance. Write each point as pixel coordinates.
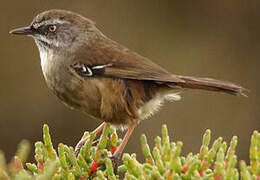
(50, 21)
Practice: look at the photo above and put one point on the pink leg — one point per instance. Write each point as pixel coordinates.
(121, 148)
(83, 141)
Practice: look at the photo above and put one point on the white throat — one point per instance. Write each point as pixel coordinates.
(46, 58)
(43, 56)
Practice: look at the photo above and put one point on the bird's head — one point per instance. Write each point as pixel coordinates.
(59, 30)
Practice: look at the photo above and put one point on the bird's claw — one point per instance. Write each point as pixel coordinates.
(81, 143)
(116, 158)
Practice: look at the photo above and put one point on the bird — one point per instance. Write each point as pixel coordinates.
(96, 75)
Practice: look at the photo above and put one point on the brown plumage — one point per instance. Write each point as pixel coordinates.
(92, 73)
(127, 64)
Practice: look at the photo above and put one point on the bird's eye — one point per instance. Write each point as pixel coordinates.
(52, 28)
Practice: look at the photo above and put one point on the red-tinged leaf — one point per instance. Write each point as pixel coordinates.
(112, 149)
(226, 163)
(40, 165)
(16, 166)
(218, 177)
(205, 165)
(93, 167)
(184, 169)
(82, 178)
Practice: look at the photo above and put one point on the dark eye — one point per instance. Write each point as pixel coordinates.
(52, 28)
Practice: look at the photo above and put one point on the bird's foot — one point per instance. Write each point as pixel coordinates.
(81, 143)
(116, 159)
(83, 140)
(79, 146)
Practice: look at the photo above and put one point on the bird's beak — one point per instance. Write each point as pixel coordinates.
(23, 31)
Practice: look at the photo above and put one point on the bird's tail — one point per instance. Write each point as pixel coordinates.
(210, 85)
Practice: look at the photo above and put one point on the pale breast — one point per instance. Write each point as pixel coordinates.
(44, 61)
(73, 91)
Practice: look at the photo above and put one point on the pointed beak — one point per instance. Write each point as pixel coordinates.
(23, 31)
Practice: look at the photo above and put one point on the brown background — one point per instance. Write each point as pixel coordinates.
(214, 38)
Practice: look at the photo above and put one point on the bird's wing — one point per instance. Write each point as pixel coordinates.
(114, 60)
(141, 69)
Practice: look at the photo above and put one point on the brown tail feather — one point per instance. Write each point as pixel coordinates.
(211, 85)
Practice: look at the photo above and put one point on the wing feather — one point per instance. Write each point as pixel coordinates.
(124, 63)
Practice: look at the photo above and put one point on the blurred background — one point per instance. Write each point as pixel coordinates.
(214, 38)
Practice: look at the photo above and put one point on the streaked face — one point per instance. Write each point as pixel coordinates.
(51, 34)
(54, 33)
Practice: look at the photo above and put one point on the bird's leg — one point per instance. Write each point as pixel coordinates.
(117, 155)
(83, 140)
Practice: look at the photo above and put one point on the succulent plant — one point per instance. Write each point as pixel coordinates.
(164, 161)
